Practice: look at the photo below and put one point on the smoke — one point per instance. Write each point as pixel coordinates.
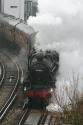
(21, 59)
(60, 27)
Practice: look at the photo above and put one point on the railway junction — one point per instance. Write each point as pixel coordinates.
(16, 43)
(11, 90)
(13, 69)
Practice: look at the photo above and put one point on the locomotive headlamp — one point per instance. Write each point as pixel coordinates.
(25, 88)
(51, 90)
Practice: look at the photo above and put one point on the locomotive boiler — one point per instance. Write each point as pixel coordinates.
(39, 86)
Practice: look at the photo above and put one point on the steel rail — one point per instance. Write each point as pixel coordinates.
(7, 108)
(11, 96)
(43, 119)
(3, 74)
(25, 114)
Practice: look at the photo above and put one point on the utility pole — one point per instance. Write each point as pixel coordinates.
(2, 6)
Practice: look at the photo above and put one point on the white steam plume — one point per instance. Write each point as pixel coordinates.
(60, 26)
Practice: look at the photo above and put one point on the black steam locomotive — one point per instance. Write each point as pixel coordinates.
(40, 83)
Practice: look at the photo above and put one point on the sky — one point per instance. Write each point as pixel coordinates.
(59, 24)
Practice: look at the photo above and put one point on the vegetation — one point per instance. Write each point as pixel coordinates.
(73, 106)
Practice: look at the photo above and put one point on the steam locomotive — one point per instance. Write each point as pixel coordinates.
(39, 86)
(43, 66)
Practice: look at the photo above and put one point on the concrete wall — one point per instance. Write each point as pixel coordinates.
(0, 5)
(13, 7)
(18, 9)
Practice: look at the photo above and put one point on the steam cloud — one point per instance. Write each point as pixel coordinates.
(60, 26)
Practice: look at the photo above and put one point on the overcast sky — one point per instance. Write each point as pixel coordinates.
(60, 6)
(60, 26)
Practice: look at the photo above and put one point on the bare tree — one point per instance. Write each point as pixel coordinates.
(69, 100)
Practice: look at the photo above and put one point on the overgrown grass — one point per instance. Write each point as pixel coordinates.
(72, 110)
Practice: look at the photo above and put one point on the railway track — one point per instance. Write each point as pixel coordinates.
(2, 72)
(36, 117)
(11, 76)
(9, 88)
(11, 110)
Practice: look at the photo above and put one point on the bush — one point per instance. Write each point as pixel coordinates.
(73, 106)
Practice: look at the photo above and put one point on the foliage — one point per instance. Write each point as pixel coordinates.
(73, 108)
